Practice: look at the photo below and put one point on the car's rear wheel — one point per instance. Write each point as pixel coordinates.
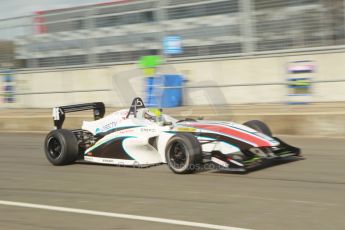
(61, 147)
(259, 126)
(183, 153)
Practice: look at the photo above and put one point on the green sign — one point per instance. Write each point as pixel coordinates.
(150, 61)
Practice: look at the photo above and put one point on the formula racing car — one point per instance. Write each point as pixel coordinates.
(142, 137)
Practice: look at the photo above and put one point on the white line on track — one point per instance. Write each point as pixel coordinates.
(119, 215)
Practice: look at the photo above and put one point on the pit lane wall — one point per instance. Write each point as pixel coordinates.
(125, 81)
(317, 119)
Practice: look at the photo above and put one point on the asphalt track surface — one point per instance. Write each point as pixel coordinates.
(305, 194)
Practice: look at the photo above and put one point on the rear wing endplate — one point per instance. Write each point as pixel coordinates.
(59, 112)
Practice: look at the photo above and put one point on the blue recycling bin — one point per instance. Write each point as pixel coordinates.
(158, 96)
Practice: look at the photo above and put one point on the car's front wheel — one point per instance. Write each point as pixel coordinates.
(259, 126)
(61, 147)
(183, 153)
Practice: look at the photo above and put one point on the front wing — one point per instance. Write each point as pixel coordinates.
(260, 157)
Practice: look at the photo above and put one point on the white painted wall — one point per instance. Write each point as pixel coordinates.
(233, 71)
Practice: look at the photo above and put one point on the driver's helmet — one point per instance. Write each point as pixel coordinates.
(151, 114)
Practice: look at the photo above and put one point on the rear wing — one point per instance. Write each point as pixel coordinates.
(59, 112)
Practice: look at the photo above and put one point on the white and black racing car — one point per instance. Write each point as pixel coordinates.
(142, 137)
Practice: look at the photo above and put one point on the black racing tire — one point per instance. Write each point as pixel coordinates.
(259, 126)
(183, 153)
(61, 147)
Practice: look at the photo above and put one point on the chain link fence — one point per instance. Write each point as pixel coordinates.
(123, 32)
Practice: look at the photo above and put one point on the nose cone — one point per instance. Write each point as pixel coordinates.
(236, 131)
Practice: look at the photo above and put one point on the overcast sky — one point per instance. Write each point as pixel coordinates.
(15, 8)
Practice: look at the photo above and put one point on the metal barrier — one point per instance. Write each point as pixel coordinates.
(121, 32)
